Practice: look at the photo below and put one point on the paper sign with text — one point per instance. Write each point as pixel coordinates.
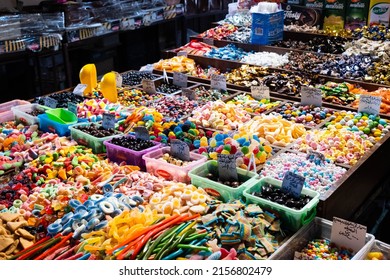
(348, 234)
(79, 89)
(50, 102)
(108, 121)
(182, 53)
(141, 133)
(72, 107)
(311, 96)
(260, 92)
(218, 82)
(180, 150)
(189, 93)
(293, 184)
(370, 104)
(180, 79)
(148, 86)
(227, 168)
(118, 79)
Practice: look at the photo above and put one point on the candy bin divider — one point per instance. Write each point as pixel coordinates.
(291, 218)
(318, 228)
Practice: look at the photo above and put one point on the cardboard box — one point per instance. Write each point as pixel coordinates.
(356, 14)
(300, 15)
(379, 12)
(334, 14)
(267, 28)
(318, 4)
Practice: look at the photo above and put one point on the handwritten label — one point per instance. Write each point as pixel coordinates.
(108, 121)
(180, 79)
(370, 104)
(208, 41)
(311, 96)
(260, 92)
(72, 107)
(79, 89)
(182, 53)
(165, 76)
(118, 79)
(227, 168)
(293, 183)
(141, 133)
(189, 93)
(218, 82)
(348, 234)
(51, 102)
(149, 86)
(180, 150)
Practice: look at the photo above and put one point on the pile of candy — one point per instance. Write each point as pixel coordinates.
(195, 48)
(322, 249)
(266, 59)
(251, 105)
(175, 64)
(220, 32)
(229, 52)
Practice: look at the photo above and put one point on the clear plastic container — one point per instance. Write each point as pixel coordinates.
(318, 228)
(378, 246)
(291, 219)
(169, 171)
(48, 125)
(221, 191)
(85, 139)
(119, 154)
(21, 113)
(6, 113)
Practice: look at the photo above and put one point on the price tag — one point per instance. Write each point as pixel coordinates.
(189, 93)
(311, 96)
(208, 41)
(182, 53)
(149, 86)
(141, 133)
(370, 104)
(227, 168)
(348, 234)
(118, 79)
(180, 150)
(180, 79)
(51, 102)
(260, 92)
(147, 68)
(293, 183)
(72, 107)
(108, 121)
(218, 82)
(79, 89)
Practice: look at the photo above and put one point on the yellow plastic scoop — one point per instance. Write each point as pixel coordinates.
(108, 87)
(88, 77)
(62, 116)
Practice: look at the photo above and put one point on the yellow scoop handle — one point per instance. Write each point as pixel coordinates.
(88, 77)
(108, 87)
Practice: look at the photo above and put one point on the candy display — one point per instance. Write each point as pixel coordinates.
(365, 46)
(376, 33)
(252, 105)
(204, 95)
(273, 129)
(93, 109)
(132, 143)
(334, 45)
(308, 115)
(229, 52)
(320, 176)
(219, 115)
(266, 59)
(176, 64)
(62, 99)
(382, 92)
(195, 48)
(322, 249)
(137, 97)
(204, 73)
(340, 93)
(219, 32)
(300, 28)
(242, 35)
(176, 107)
(238, 19)
(168, 88)
(133, 78)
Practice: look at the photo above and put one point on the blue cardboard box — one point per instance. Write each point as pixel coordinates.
(267, 28)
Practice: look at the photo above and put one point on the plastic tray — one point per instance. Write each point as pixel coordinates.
(169, 171)
(226, 193)
(119, 154)
(378, 246)
(6, 113)
(318, 228)
(292, 219)
(48, 125)
(85, 139)
(21, 113)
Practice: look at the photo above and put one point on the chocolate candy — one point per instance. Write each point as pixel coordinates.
(334, 45)
(276, 195)
(62, 99)
(215, 178)
(376, 32)
(133, 78)
(96, 130)
(35, 112)
(132, 143)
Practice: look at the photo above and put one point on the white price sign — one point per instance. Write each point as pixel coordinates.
(218, 82)
(79, 89)
(370, 104)
(348, 234)
(149, 86)
(260, 92)
(311, 96)
(180, 79)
